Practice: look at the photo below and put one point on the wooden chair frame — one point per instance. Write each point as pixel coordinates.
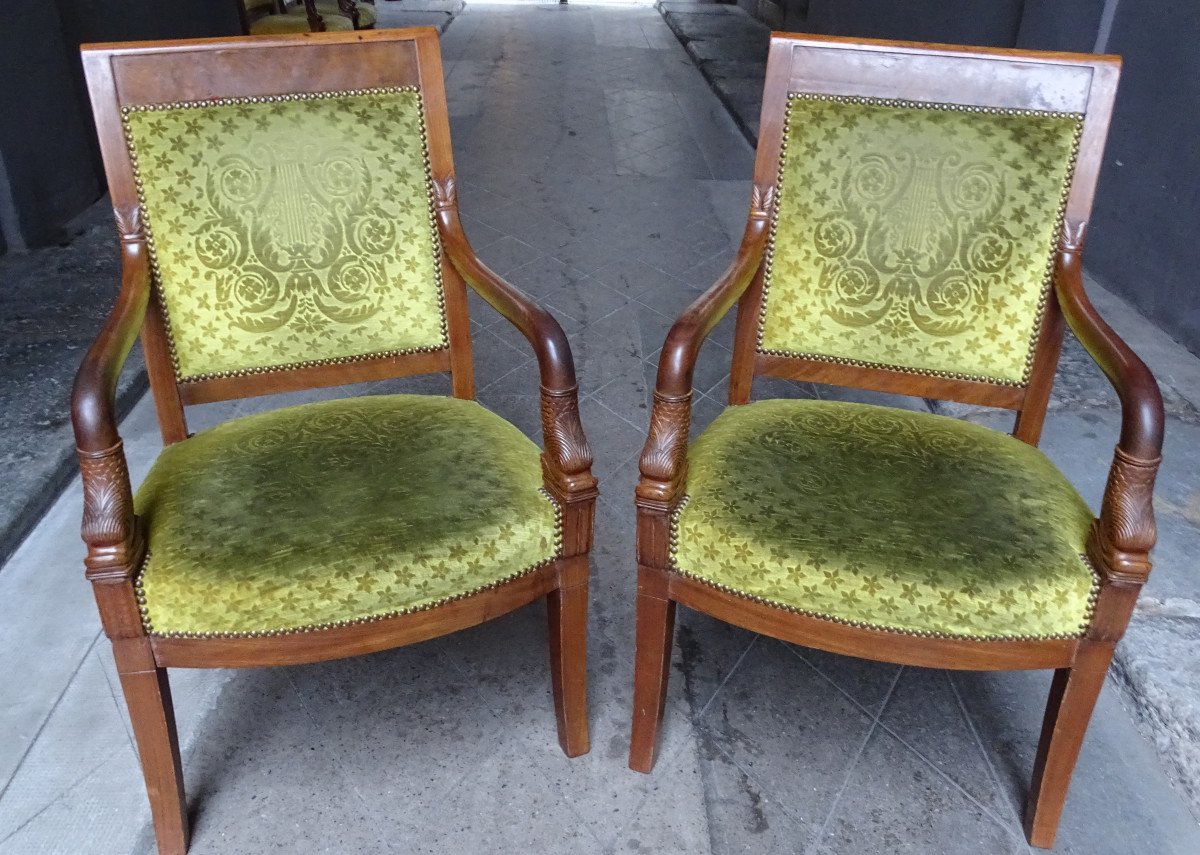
(1122, 536)
(166, 72)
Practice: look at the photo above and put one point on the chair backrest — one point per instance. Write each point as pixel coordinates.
(918, 198)
(286, 187)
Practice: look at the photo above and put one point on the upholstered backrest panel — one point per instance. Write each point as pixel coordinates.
(917, 237)
(290, 230)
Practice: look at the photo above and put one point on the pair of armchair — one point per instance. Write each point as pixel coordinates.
(915, 226)
(276, 17)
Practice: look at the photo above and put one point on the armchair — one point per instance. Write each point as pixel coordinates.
(916, 225)
(288, 220)
(273, 17)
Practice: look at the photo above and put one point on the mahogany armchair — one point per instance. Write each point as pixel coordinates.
(288, 220)
(274, 17)
(916, 224)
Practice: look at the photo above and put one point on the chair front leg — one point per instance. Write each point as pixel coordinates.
(148, 696)
(652, 665)
(1073, 696)
(566, 612)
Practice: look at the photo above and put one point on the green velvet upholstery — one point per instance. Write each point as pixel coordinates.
(344, 510)
(915, 236)
(292, 230)
(296, 21)
(887, 518)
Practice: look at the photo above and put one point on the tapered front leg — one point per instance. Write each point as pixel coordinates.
(148, 695)
(1073, 696)
(652, 668)
(567, 623)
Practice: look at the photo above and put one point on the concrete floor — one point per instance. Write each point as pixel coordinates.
(600, 174)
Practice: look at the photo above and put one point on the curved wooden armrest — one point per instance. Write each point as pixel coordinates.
(109, 527)
(664, 458)
(567, 459)
(1125, 531)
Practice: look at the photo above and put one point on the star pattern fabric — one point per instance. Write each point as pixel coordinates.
(916, 236)
(886, 518)
(290, 231)
(343, 510)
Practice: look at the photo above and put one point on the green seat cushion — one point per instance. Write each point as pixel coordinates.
(886, 518)
(366, 12)
(344, 510)
(297, 22)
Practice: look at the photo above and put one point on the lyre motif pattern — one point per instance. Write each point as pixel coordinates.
(290, 230)
(916, 236)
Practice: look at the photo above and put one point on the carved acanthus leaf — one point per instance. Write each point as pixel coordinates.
(1127, 512)
(666, 445)
(130, 227)
(762, 201)
(445, 192)
(1072, 236)
(108, 518)
(564, 438)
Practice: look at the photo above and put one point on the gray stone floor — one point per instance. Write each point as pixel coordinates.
(601, 174)
(729, 46)
(417, 13)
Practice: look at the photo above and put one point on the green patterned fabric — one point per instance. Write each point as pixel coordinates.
(339, 511)
(918, 237)
(899, 520)
(297, 22)
(292, 230)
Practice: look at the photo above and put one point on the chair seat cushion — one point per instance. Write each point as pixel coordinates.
(340, 511)
(366, 12)
(296, 21)
(886, 518)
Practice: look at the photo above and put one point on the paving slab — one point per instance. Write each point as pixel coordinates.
(730, 49)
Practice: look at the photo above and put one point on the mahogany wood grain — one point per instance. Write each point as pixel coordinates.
(566, 610)
(1121, 537)
(152, 716)
(315, 377)
(1073, 696)
(897, 648)
(126, 74)
(886, 380)
(304, 648)
(655, 630)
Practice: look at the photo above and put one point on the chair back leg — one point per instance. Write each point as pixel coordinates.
(652, 668)
(1073, 696)
(148, 696)
(566, 611)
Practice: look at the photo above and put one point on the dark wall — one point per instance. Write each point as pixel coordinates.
(1144, 240)
(46, 138)
(135, 20)
(43, 129)
(1069, 25)
(975, 22)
